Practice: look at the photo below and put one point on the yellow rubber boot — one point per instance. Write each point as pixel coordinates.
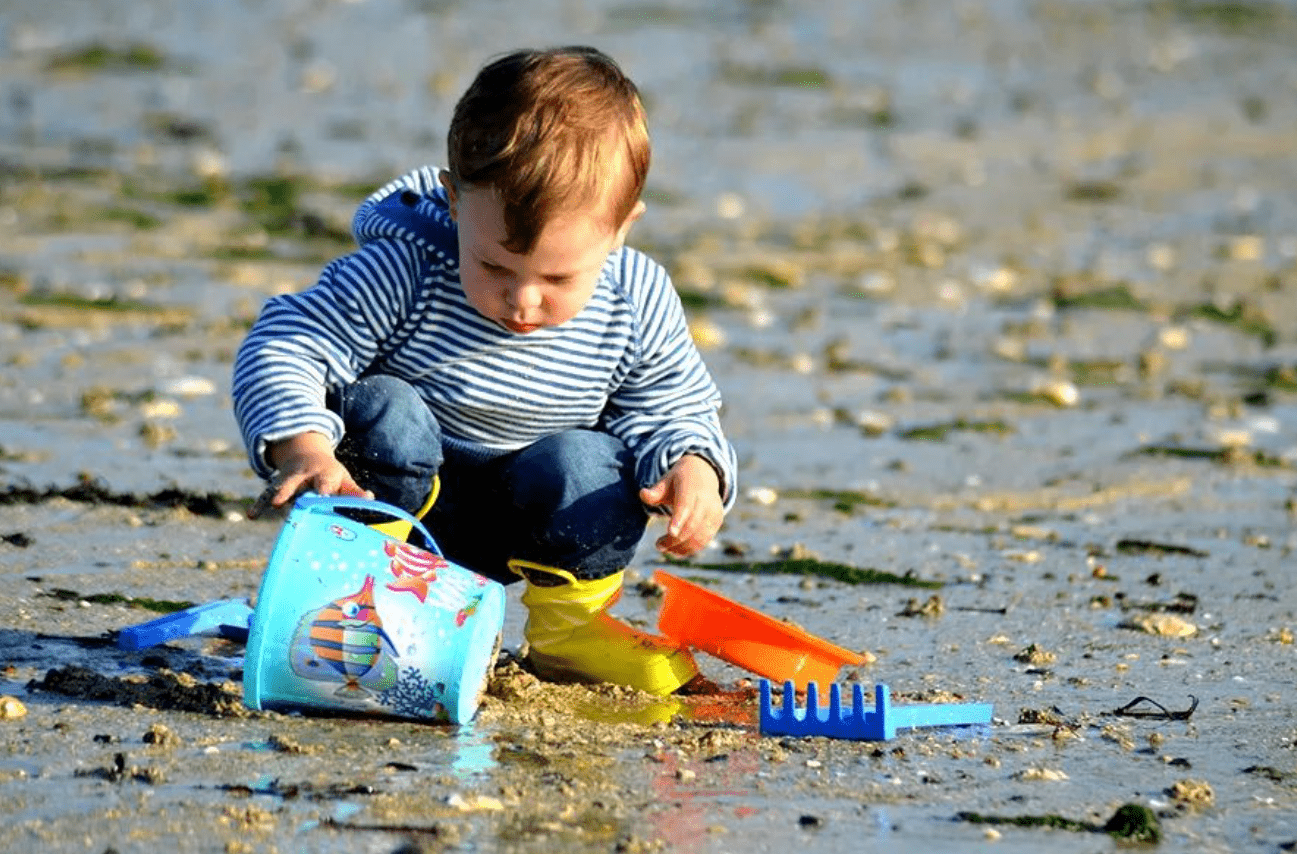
(571, 638)
(400, 529)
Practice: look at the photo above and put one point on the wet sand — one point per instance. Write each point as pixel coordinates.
(1001, 298)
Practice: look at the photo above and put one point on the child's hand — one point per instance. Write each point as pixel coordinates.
(304, 462)
(692, 491)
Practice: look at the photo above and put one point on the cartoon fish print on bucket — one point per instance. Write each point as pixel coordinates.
(349, 619)
(344, 642)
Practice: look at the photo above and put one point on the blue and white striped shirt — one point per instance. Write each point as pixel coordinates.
(625, 363)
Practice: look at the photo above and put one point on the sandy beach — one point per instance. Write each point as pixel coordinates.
(1001, 298)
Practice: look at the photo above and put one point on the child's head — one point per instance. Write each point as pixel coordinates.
(548, 156)
(550, 132)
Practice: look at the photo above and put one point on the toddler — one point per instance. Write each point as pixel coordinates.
(493, 359)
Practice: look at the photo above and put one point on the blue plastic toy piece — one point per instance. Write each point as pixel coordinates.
(226, 617)
(855, 722)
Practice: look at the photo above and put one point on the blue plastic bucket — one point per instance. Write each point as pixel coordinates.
(351, 620)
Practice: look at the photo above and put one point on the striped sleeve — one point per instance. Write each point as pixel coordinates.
(305, 344)
(668, 405)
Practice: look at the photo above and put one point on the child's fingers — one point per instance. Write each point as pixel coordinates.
(277, 493)
(654, 495)
(690, 529)
(263, 502)
(350, 487)
(678, 540)
(272, 496)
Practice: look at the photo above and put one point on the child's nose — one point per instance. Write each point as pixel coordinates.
(525, 296)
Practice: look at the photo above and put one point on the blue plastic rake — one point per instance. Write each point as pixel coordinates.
(856, 722)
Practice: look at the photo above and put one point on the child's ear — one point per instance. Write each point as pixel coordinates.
(636, 213)
(444, 177)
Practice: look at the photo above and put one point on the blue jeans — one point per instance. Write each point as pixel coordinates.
(570, 500)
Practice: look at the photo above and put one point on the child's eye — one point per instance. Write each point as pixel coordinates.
(493, 269)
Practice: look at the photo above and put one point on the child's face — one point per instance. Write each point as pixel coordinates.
(545, 287)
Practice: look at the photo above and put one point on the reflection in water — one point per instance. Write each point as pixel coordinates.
(473, 752)
(344, 810)
(735, 707)
(656, 710)
(692, 796)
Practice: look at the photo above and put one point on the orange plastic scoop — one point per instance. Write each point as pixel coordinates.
(746, 637)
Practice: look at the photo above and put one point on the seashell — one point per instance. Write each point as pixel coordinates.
(1166, 625)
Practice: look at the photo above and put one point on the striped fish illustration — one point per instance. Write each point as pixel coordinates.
(344, 642)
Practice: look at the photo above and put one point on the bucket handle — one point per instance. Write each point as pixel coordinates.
(311, 502)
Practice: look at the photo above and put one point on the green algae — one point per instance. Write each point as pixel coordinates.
(941, 431)
(160, 606)
(98, 57)
(1239, 16)
(1093, 191)
(818, 568)
(1132, 822)
(1100, 372)
(136, 219)
(797, 76)
(75, 301)
(1223, 456)
(1148, 547)
(1240, 316)
(1112, 298)
(1282, 378)
(844, 500)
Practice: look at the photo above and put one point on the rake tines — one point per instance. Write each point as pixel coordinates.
(856, 722)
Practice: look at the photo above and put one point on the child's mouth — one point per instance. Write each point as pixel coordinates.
(519, 328)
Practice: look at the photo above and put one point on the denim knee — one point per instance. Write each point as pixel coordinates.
(392, 442)
(579, 489)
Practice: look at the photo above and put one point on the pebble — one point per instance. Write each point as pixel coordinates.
(1196, 793)
(1161, 257)
(730, 206)
(1044, 775)
(707, 334)
(1246, 247)
(189, 387)
(874, 423)
(161, 408)
(876, 283)
(475, 803)
(1058, 392)
(1173, 337)
(11, 707)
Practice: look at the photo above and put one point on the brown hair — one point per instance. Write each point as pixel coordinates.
(551, 130)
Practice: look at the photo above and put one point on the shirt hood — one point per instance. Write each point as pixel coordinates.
(411, 209)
